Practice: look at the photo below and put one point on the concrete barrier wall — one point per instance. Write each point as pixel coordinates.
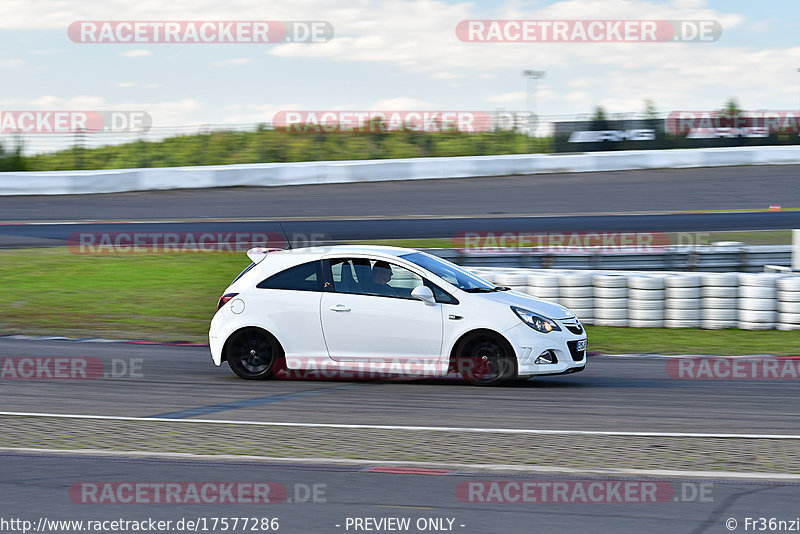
(321, 172)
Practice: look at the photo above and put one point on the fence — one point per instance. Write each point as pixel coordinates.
(696, 258)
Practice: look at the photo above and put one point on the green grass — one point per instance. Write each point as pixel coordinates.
(691, 341)
(170, 297)
(158, 297)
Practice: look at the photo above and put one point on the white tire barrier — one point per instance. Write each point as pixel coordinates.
(720, 292)
(511, 279)
(684, 304)
(789, 296)
(542, 292)
(610, 304)
(610, 280)
(720, 303)
(757, 292)
(683, 280)
(682, 323)
(759, 279)
(543, 280)
(578, 303)
(611, 313)
(790, 283)
(643, 323)
(789, 307)
(611, 322)
(646, 315)
(673, 314)
(646, 294)
(575, 280)
(745, 325)
(789, 318)
(683, 292)
(646, 282)
(610, 292)
(711, 324)
(576, 292)
(716, 314)
(752, 301)
(757, 304)
(646, 304)
(753, 316)
(720, 280)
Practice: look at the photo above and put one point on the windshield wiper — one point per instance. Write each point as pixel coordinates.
(486, 289)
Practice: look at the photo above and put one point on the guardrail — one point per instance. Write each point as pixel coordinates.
(749, 301)
(697, 258)
(276, 174)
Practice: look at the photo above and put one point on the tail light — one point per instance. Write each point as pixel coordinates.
(224, 299)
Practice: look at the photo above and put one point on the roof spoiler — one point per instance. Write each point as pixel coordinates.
(257, 254)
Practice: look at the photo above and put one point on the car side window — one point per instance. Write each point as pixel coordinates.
(303, 277)
(362, 276)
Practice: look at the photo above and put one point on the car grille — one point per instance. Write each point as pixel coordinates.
(577, 355)
(573, 326)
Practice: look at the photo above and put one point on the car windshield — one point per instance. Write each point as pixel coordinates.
(450, 272)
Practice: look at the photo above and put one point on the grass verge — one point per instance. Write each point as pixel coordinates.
(170, 297)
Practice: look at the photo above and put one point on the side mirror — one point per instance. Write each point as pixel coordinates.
(424, 294)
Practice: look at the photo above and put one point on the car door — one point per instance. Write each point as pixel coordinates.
(363, 320)
(287, 304)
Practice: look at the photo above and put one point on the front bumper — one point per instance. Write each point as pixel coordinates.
(529, 344)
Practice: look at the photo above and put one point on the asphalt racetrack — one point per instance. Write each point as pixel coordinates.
(625, 201)
(665, 190)
(29, 481)
(614, 394)
(622, 394)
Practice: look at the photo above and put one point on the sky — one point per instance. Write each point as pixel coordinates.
(394, 55)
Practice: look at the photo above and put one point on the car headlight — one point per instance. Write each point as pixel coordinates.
(540, 323)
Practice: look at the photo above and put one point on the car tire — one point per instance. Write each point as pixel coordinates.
(254, 354)
(485, 360)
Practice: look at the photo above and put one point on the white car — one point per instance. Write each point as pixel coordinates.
(386, 311)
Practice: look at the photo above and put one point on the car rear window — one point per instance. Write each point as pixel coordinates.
(303, 277)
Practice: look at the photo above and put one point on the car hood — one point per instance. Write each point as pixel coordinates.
(515, 298)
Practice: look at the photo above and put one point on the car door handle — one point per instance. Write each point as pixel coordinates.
(340, 308)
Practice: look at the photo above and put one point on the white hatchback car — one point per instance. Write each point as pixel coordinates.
(386, 311)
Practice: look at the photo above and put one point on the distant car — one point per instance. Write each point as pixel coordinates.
(386, 310)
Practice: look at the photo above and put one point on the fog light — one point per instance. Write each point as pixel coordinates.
(546, 357)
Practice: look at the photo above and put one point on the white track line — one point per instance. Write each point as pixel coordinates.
(410, 428)
(504, 468)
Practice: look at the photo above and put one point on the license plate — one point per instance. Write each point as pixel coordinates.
(582, 344)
